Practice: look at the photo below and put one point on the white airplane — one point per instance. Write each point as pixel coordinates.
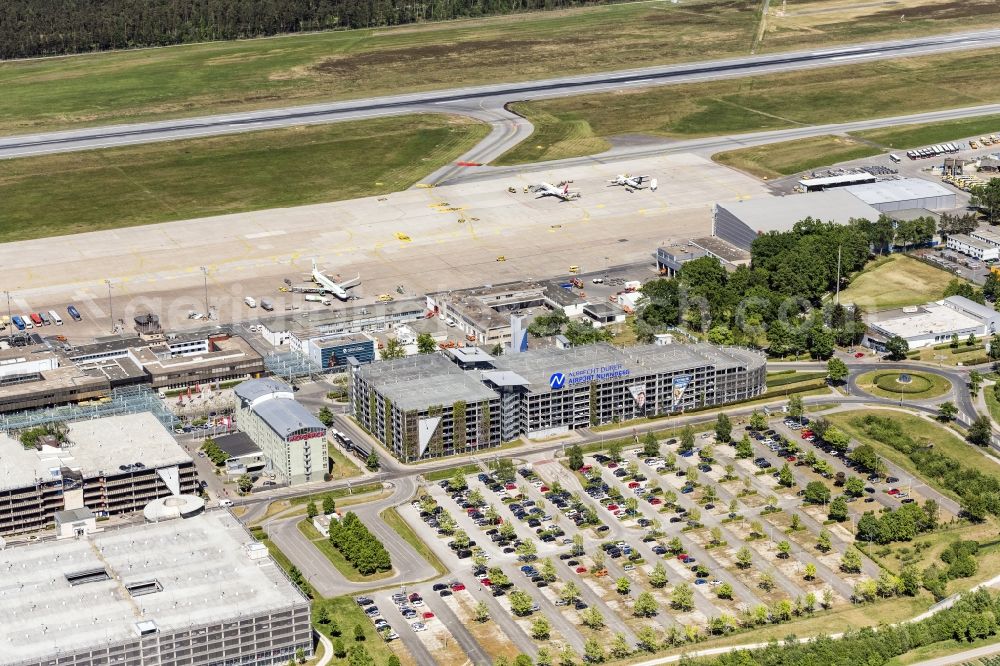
(325, 285)
(632, 183)
(561, 192)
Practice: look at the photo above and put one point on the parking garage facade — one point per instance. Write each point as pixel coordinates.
(543, 392)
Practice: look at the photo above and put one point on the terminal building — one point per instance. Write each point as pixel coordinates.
(185, 592)
(291, 439)
(426, 406)
(111, 465)
(933, 323)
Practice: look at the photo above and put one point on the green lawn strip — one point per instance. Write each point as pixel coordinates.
(336, 558)
(788, 157)
(944, 441)
(992, 404)
(176, 180)
(343, 467)
(347, 615)
(337, 493)
(796, 378)
(904, 137)
(448, 472)
(810, 97)
(395, 521)
(239, 75)
(922, 386)
(279, 557)
(943, 649)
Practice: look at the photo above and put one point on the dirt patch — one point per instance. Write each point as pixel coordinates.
(939, 10)
(674, 16)
(432, 53)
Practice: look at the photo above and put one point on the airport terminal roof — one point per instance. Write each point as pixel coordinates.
(67, 595)
(781, 213)
(422, 381)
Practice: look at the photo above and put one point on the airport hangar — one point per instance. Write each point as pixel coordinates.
(427, 406)
(199, 590)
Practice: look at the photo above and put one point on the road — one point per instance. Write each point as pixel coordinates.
(486, 102)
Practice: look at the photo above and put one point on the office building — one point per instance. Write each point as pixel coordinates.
(933, 323)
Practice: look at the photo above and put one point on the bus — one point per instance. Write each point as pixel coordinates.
(27, 321)
(18, 322)
(56, 319)
(74, 313)
(35, 319)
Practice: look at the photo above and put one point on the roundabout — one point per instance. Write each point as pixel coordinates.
(903, 384)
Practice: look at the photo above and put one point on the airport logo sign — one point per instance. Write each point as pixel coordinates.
(557, 380)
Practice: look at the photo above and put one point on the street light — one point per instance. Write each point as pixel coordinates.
(111, 313)
(204, 272)
(9, 315)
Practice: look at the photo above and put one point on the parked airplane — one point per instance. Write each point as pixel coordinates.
(325, 285)
(632, 183)
(561, 192)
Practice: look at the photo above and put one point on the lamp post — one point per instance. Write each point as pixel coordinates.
(111, 313)
(9, 315)
(204, 272)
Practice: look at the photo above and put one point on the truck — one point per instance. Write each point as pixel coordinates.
(632, 285)
(316, 298)
(74, 313)
(266, 304)
(251, 303)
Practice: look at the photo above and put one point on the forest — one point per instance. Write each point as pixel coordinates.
(32, 28)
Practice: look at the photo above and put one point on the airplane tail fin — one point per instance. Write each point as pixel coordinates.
(566, 188)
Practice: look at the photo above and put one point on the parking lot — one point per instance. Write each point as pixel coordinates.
(687, 542)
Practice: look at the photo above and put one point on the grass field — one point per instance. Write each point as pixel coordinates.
(894, 282)
(448, 472)
(922, 385)
(788, 157)
(944, 440)
(904, 137)
(159, 182)
(575, 126)
(393, 520)
(248, 74)
(343, 467)
(323, 545)
(348, 615)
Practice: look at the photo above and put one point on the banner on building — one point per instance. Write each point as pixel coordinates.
(638, 392)
(680, 385)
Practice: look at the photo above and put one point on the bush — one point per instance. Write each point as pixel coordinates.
(359, 546)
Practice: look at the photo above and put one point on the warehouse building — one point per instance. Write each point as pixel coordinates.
(111, 465)
(417, 405)
(740, 222)
(933, 323)
(292, 440)
(973, 247)
(904, 193)
(177, 593)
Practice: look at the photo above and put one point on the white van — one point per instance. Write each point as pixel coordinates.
(225, 503)
(251, 303)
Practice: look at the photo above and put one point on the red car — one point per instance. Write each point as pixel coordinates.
(893, 491)
(486, 581)
(859, 355)
(633, 484)
(585, 469)
(655, 501)
(428, 615)
(511, 486)
(682, 557)
(790, 458)
(581, 569)
(612, 465)
(457, 587)
(612, 507)
(544, 489)
(414, 597)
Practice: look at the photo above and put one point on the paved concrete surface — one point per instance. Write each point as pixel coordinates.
(475, 100)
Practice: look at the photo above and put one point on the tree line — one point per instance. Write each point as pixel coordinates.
(973, 616)
(32, 28)
(359, 546)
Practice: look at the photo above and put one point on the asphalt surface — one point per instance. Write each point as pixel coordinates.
(486, 101)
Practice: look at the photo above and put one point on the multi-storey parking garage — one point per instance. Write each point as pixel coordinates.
(425, 406)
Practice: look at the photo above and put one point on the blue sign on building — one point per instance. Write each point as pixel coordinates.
(557, 380)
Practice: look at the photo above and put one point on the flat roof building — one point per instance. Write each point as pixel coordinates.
(110, 465)
(973, 247)
(903, 193)
(32, 377)
(304, 326)
(194, 591)
(829, 182)
(292, 440)
(333, 351)
(426, 406)
(933, 323)
(740, 222)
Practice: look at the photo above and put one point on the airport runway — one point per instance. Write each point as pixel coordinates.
(487, 102)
